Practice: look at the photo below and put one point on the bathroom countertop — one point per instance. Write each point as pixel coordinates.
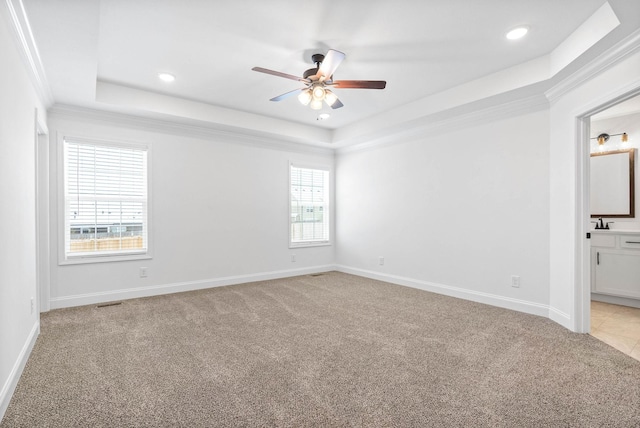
(626, 231)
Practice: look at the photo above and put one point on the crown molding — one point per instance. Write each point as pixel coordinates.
(600, 64)
(440, 124)
(432, 125)
(609, 99)
(195, 129)
(28, 49)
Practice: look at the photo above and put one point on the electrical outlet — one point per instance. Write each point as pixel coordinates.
(32, 305)
(515, 281)
(143, 272)
(293, 258)
(381, 260)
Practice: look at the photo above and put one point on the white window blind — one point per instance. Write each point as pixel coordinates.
(309, 206)
(105, 206)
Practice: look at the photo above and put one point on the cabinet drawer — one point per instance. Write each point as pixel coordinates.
(607, 241)
(630, 241)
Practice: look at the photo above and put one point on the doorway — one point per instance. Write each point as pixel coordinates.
(612, 276)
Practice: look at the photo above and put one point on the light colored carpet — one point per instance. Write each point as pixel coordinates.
(318, 351)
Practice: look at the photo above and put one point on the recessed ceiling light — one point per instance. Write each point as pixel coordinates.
(323, 116)
(517, 33)
(166, 77)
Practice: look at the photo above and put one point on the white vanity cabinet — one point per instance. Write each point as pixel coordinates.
(615, 263)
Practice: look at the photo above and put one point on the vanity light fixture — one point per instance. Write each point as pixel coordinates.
(604, 137)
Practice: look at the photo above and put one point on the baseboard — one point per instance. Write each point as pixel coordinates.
(156, 290)
(561, 318)
(14, 376)
(615, 300)
(461, 293)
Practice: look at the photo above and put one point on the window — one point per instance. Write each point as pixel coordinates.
(105, 200)
(309, 206)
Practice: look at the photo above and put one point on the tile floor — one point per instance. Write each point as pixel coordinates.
(618, 326)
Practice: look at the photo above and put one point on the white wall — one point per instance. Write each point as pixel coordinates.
(459, 212)
(18, 325)
(456, 212)
(220, 214)
(569, 288)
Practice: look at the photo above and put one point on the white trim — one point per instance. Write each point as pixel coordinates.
(43, 250)
(608, 59)
(309, 244)
(14, 376)
(457, 292)
(76, 259)
(582, 272)
(192, 128)
(461, 293)
(582, 260)
(106, 143)
(561, 318)
(436, 124)
(39, 244)
(178, 287)
(616, 300)
(311, 165)
(609, 99)
(63, 259)
(41, 124)
(328, 204)
(29, 50)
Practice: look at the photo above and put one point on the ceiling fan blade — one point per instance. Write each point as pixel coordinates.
(337, 104)
(331, 61)
(359, 84)
(287, 94)
(279, 74)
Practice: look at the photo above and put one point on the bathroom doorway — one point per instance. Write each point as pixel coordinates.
(614, 259)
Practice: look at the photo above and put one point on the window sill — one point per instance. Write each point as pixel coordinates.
(76, 260)
(309, 244)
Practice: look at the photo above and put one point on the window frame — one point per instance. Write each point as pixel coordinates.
(327, 213)
(70, 259)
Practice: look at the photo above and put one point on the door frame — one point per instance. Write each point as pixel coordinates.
(43, 250)
(582, 292)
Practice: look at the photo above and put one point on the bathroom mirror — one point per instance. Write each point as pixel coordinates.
(612, 184)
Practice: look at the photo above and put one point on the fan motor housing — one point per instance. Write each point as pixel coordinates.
(310, 72)
(317, 58)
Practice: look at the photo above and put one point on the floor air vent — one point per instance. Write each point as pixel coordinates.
(316, 274)
(104, 305)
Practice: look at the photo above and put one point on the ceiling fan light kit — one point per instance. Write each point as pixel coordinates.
(318, 80)
(318, 92)
(305, 97)
(315, 104)
(330, 98)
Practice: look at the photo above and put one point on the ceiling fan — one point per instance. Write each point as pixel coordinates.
(319, 80)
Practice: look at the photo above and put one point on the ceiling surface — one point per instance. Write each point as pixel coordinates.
(106, 54)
